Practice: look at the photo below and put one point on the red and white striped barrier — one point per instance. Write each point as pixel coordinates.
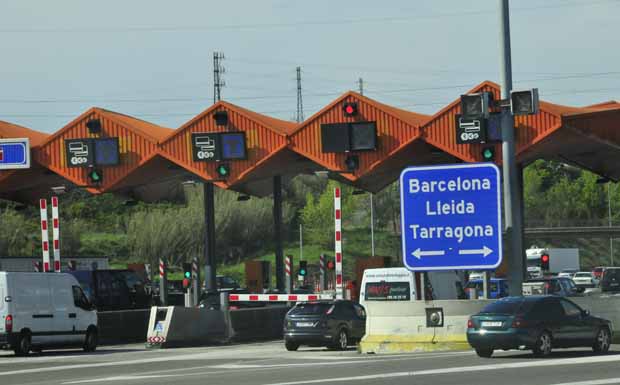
(37, 266)
(56, 234)
(279, 297)
(195, 269)
(338, 242)
(156, 340)
(162, 268)
(45, 243)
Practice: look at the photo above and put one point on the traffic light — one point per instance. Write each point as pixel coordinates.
(544, 262)
(352, 162)
(187, 270)
(331, 265)
(95, 176)
(223, 170)
(349, 109)
(476, 105)
(488, 154)
(524, 102)
(303, 268)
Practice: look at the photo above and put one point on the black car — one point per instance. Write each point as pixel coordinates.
(610, 280)
(334, 324)
(538, 323)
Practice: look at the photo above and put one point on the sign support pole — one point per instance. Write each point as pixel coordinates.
(209, 247)
(513, 213)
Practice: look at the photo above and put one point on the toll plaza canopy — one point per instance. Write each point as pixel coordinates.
(242, 150)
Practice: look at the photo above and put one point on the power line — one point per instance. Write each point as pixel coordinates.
(297, 24)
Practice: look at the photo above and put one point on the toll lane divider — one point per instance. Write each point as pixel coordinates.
(122, 326)
(279, 297)
(399, 327)
(173, 326)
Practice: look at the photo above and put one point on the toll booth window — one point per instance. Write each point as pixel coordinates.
(387, 291)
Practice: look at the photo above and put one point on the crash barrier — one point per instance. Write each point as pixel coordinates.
(122, 326)
(173, 326)
(398, 326)
(604, 306)
(258, 323)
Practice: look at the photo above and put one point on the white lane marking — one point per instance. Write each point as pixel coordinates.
(253, 367)
(594, 382)
(478, 368)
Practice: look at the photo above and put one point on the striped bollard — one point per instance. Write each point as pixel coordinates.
(288, 279)
(45, 244)
(162, 282)
(338, 243)
(37, 266)
(195, 281)
(322, 276)
(56, 234)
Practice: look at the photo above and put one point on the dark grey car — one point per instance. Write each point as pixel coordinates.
(334, 324)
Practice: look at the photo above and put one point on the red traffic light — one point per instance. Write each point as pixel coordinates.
(544, 258)
(350, 109)
(330, 265)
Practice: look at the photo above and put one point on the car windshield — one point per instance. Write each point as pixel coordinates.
(507, 307)
(582, 275)
(311, 308)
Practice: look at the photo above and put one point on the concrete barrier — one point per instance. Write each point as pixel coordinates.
(122, 326)
(174, 326)
(604, 306)
(258, 323)
(396, 327)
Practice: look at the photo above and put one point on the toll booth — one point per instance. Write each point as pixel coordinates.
(258, 276)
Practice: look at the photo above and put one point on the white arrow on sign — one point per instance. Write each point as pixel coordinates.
(419, 253)
(484, 251)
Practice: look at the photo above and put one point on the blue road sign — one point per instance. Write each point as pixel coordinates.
(14, 153)
(451, 217)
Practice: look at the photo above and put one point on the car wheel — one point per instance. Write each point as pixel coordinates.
(291, 346)
(24, 343)
(343, 340)
(602, 341)
(484, 352)
(542, 348)
(90, 342)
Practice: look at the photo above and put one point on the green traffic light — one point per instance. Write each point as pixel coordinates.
(223, 170)
(488, 153)
(302, 272)
(188, 274)
(94, 176)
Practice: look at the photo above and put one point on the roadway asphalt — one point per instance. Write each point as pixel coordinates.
(270, 364)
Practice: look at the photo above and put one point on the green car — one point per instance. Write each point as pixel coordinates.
(539, 323)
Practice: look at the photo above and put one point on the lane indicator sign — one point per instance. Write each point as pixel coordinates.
(14, 153)
(451, 217)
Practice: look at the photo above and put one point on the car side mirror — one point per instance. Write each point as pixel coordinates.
(585, 313)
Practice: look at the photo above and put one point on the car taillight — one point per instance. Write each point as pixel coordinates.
(519, 323)
(8, 324)
(470, 324)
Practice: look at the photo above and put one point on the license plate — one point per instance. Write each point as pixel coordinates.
(491, 324)
(305, 324)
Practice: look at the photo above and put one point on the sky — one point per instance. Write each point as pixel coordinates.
(153, 59)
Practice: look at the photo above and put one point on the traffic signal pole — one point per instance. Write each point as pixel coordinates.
(513, 214)
(209, 247)
(277, 232)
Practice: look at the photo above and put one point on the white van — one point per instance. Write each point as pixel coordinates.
(44, 310)
(398, 284)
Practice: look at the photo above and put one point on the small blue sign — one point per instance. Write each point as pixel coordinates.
(14, 153)
(451, 217)
(233, 145)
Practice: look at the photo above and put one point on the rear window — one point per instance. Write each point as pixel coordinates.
(583, 275)
(508, 307)
(387, 291)
(311, 308)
